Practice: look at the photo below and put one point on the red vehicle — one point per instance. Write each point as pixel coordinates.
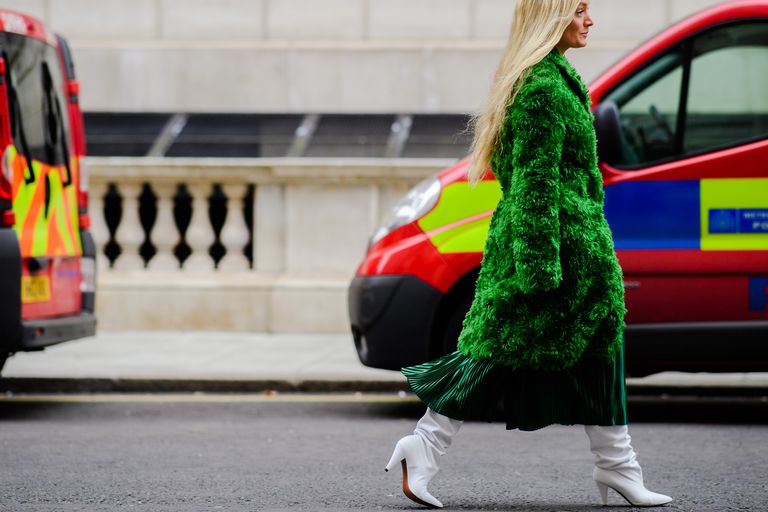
(682, 124)
(47, 255)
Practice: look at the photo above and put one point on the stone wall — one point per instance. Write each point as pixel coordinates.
(311, 221)
(432, 56)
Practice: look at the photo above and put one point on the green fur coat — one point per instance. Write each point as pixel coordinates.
(550, 287)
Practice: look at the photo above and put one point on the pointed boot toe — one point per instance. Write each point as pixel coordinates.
(628, 483)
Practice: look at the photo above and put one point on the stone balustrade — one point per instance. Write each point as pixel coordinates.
(237, 244)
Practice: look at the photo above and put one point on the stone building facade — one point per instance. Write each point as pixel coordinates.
(429, 56)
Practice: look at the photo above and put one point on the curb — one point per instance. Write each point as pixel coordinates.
(76, 385)
(17, 385)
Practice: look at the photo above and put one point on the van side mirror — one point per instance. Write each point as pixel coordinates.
(610, 148)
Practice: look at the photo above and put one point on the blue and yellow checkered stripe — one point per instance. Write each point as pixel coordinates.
(729, 214)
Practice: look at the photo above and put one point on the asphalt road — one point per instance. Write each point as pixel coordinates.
(255, 452)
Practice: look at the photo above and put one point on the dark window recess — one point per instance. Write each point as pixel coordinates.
(362, 136)
(274, 135)
(438, 136)
(235, 135)
(122, 134)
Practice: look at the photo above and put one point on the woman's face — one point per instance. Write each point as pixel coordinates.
(575, 36)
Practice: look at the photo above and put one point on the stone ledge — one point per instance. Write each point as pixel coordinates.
(248, 301)
(266, 170)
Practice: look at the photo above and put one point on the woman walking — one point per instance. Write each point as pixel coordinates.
(544, 332)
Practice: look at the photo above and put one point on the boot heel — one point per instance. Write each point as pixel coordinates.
(603, 492)
(397, 456)
(417, 471)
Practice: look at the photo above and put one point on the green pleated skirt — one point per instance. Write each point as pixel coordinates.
(463, 388)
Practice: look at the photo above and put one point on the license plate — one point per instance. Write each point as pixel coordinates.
(35, 288)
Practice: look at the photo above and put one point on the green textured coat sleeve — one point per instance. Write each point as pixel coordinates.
(538, 133)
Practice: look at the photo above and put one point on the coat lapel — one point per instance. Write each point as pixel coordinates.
(570, 75)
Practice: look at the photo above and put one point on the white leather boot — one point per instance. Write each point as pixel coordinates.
(617, 467)
(418, 455)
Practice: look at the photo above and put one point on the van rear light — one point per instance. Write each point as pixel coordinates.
(5, 116)
(84, 220)
(82, 187)
(6, 191)
(6, 175)
(73, 88)
(8, 219)
(88, 275)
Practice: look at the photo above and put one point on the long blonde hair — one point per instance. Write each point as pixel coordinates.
(537, 27)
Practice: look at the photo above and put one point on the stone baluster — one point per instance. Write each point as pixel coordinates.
(165, 234)
(234, 234)
(99, 229)
(200, 234)
(269, 229)
(130, 233)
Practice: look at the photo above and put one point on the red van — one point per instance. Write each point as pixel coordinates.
(682, 124)
(47, 255)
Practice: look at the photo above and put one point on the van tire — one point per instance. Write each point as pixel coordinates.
(454, 324)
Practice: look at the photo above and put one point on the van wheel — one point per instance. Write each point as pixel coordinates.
(454, 324)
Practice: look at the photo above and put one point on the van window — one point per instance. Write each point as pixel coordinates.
(705, 95)
(36, 77)
(26, 80)
(727, 98)
(649, 104)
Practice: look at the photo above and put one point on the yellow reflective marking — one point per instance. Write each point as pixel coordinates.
(735, 193)
(468, 237)
(461, 216)
(22, 196)
(40, 240)
(459, 201)
(38, 232)
(22, 199)
(63, 217)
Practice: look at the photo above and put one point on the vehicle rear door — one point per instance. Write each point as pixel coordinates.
(44, 186)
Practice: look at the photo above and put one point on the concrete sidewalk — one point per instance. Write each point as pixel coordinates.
(226, 361)
(179, 361)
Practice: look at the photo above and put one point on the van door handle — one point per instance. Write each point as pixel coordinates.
(37, 264)
(47, 195)
(29, 175)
